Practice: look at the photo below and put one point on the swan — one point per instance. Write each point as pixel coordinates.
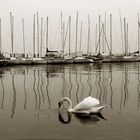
(87, 105)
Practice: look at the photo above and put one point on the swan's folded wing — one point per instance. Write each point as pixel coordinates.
(91, 101)
(87, 104)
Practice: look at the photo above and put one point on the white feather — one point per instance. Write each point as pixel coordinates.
(87, 104)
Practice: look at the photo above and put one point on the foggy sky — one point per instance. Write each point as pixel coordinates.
(52, 9)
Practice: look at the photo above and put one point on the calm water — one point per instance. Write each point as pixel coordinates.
(29, 98)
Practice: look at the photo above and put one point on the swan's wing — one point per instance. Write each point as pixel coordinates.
(91, 101)
(87, 104)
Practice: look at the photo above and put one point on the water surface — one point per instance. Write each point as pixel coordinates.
(29, 98)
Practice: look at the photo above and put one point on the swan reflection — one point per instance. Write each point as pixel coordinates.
(65, 117)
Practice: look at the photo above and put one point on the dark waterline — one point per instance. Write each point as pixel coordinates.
(29, 98)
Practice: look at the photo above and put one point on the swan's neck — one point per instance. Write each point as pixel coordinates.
(69, 103)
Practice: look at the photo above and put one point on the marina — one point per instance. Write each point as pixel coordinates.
(42, 54)
(69, 70)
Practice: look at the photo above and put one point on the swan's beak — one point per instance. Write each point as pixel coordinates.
(59, 105)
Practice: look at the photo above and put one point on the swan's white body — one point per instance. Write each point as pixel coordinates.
(87, 105)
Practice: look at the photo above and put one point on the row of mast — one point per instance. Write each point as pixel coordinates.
(101, 26)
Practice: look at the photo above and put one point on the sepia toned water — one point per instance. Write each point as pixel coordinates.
(29, 98)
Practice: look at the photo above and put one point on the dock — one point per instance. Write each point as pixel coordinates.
(43, 61)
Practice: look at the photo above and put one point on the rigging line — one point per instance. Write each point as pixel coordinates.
(66, 34)
(55, 37)
(104, 36)
(43, 35)
(99, 38)
(106, 40)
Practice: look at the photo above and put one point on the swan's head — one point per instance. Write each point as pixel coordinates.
(65, 99)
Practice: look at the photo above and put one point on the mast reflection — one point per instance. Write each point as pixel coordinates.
(82, 85)
(104, 83)
(77, 90)
(138, 87)
(3, 93)
(89, 82)
(63, 84)
(14, 97)
(122, 93)
(25, 100)
(70, 89)
(41, 87)
(39, 96)
(111, 89)
(47, 86)
(34, 90)
(126, 82)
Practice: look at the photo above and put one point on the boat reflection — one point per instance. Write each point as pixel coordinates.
(65, 117)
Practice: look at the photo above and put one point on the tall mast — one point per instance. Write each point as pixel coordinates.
(125, 44)
(76, 33)
(99, 33)
(88, 35)
(47, 35)
(104, 44)
(0, 39)
(127, 38)
(23, 36)
(121, 29)
(63, 38)
(37, 34)
(41, 37)
(103, 38)
(69, 35)
(138, 34)
(110, 34)
(96, 37)
(34, 35)
(62, 43)
(12, 29)
(81, 36)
